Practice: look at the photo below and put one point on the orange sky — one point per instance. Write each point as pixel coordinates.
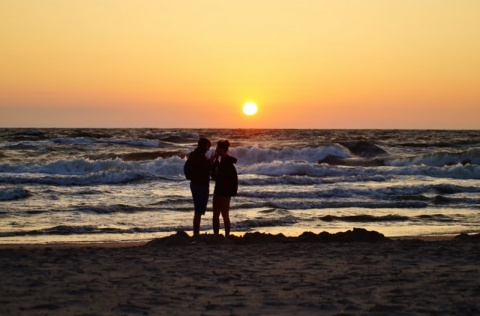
(307, 64)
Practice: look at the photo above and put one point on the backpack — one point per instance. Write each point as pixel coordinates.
(188, 169)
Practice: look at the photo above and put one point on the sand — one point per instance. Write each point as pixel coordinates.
(239, 276)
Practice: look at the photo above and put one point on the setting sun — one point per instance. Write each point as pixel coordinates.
(250, 108)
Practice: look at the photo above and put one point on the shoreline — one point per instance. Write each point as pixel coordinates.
(128, 244)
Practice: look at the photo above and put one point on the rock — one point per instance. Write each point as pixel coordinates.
(363, 149)
(467, 237)
(181, 238)
(257, 238)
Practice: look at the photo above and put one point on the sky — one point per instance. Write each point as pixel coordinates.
(406, 64)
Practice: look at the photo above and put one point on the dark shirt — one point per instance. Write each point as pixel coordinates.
(225, 176)
(201, 168)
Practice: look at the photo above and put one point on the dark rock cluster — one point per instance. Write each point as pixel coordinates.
(181, 238)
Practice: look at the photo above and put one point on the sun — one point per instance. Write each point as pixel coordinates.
(250, 108)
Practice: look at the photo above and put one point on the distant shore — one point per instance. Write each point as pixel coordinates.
(257, 274)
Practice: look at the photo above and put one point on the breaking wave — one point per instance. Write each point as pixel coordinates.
(440, 159)
(82, 171)
(387, 218)
(265, 222)
(254, 155)
(365, 218)
(315, 204)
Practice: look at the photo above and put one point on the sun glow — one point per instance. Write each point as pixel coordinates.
(306, 64)
(249, 108)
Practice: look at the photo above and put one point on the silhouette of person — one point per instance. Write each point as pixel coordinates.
(226, 185)
(200, 180)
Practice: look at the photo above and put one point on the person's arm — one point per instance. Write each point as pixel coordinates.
(213, 172)
(233, 180)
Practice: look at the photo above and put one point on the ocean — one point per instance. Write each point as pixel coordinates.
(125, 185)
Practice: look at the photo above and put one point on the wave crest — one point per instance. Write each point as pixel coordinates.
(11, 194)
(254, 155)
(440, 159)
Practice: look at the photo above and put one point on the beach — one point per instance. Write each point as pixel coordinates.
(257, 274)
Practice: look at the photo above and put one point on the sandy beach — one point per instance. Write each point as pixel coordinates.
(256, 274)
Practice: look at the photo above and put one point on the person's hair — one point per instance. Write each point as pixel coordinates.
(202, 142)
(224, 144)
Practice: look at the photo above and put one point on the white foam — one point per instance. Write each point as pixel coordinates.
(439, 159)
(85, 171)
(253, 155)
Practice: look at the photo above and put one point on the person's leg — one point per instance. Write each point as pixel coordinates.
(196, 224)
(226, 216)
(200, 200)
(216, 214)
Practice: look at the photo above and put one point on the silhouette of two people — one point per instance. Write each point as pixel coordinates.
(220, 167)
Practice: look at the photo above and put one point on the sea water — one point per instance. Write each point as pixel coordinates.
(110, 185)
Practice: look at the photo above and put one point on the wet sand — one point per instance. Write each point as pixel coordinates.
(258, 275)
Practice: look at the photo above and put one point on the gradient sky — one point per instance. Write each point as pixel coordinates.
(307, 64)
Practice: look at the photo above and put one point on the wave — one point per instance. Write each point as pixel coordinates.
(133, 142)
(352, 162)
(89, 133)
(440, 159)
(296, 168)
(364, 149)
(30, 132)
(387, 218)
(83, 166)
(83, 180)
(435, 217)
(265, 222)
(81, 144)
(303, 204)
(88, 230)
(178, 204)
(91, 172)
(149, 155)
(265, 180)
(173, 136)
(117, 141)
(464, 141)
(365, 218)
(24, 134)
(11, 194)
(172, 166)
(20, 146)
(402, 192)
(68, 141)
(254, 155)
(118, 208)
(82, 171)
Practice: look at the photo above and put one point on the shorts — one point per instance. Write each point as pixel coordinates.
(200, 198)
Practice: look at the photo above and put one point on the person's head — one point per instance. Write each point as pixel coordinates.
(204, 144)
(222, 147)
